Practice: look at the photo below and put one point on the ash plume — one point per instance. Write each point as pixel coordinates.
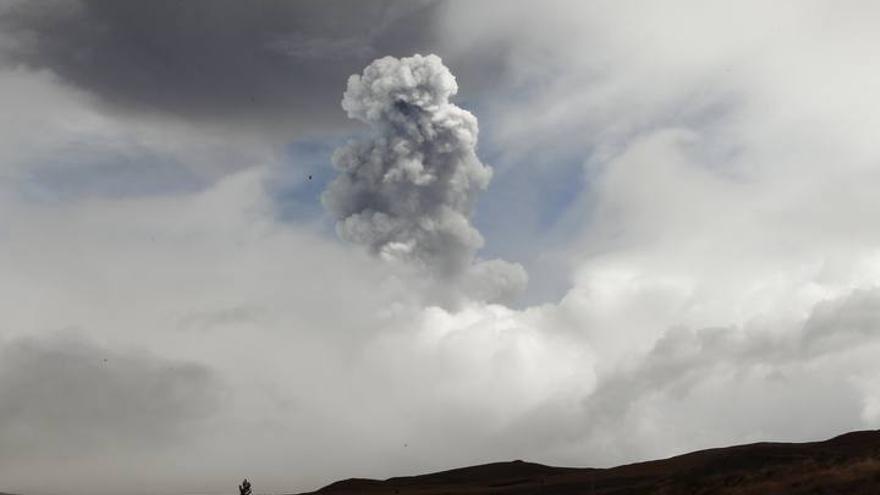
(408, 191)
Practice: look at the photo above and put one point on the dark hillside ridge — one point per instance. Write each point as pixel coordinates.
(848, 464)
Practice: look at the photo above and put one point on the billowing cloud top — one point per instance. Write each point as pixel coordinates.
(388, 84)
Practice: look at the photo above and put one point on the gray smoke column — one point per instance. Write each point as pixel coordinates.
(407, 192)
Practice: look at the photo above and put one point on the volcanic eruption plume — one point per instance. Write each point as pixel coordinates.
(408, 191)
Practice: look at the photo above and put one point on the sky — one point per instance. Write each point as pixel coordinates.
(307, 241)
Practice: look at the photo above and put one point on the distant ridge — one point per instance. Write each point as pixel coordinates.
(847, 464)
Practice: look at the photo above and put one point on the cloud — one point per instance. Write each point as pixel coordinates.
(63, 395)
(270, 67)
(843, 323)
(81, 152)
(723, 218)
(408, 192)
(204, 307)
(326, 346)
(766, 373)
(298, 328)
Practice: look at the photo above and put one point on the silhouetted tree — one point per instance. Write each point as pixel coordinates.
(244, 488)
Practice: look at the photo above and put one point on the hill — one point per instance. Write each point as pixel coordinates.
(847, 464)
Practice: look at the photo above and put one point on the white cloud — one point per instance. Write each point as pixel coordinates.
(730, 177)
(56, 142)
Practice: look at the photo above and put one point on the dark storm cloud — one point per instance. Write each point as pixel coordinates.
(63, 394)
(265, 64)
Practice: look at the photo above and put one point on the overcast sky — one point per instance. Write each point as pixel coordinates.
(582, 233)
